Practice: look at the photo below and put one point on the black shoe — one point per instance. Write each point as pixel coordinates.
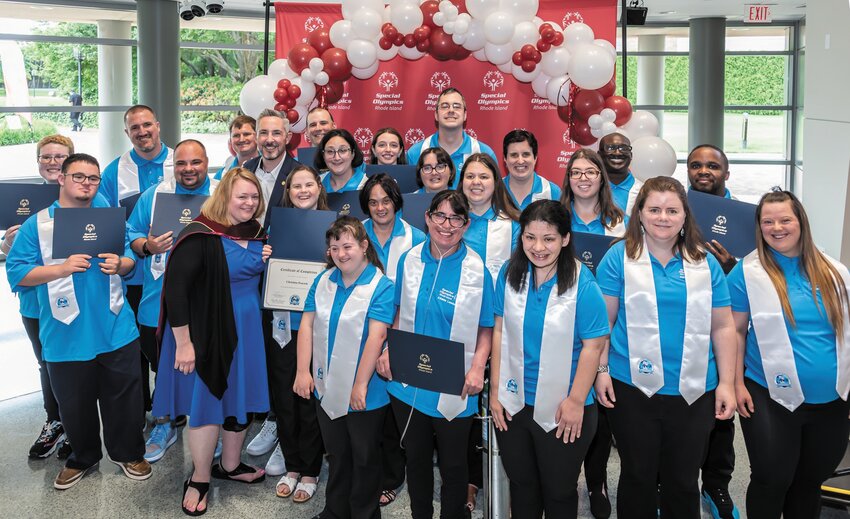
(64, 450)
(52, 434)
(600, 505)
(720, 503)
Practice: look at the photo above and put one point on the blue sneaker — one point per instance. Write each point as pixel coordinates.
(720, 503)
(163, 436)
(217, 453)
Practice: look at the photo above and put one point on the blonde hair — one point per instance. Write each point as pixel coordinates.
(216, 206)
(55, 139)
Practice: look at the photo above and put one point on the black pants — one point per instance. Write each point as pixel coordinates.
(134, 297)
(542, 469)
(720, 461)
(110, 380)
(661, 439)
(297, 425)
(596, 461)
(475, 453)
(354, 463)
(392, 455)
(791, 454)
(50, 405)
(451, 439)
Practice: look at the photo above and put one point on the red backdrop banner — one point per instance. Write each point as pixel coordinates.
(403, 93)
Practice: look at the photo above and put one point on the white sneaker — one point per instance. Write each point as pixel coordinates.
(265, 440)
(276, 466)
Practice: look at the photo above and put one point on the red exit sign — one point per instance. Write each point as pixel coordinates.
(757, 14)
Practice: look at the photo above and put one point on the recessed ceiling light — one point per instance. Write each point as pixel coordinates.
(667, 12)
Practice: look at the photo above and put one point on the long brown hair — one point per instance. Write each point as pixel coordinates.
(689, 246)
(611, 215)
(501, 201)
(820, 272)
(322, 204)
(352, 226)
(215, 207)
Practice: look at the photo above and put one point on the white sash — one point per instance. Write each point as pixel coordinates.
(644, 338)
(556, 353)
(128, 174)
(499, 241)
(545, 193)
(398, 246)
(633, 193)
(362, 182)
(63, 298)
(470, 294)
(281, 327)
(617, 231)
(777, 353)
(334, 385)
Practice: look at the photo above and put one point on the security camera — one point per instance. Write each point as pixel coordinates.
(215, 6)
(198, 7)
(185, 10)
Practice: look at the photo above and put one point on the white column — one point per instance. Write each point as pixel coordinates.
(650, 75)
(114, 84)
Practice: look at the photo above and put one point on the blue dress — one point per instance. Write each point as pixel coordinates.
(247, 384)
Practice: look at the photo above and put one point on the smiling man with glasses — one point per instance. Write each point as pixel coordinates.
(616, 152)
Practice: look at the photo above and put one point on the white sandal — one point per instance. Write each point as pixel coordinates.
(307, 488)
(290, 483)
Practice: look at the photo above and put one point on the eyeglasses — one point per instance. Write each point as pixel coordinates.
(79, 178)
(384, 144)
(373, 203)
(590, 174)
(444, 107)
(427, 168)
(342, 152)
(611, 148)
(47, 159)
(454, 220)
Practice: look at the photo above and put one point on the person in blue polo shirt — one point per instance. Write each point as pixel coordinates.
(346, 315)
(450, 119)
(388, 148)
(551, 326)
(242, 143)
(435, 171)
(88, 334)
(341, 161)
(519, 148)
(443, 290)
(616, 152)
(789, 303)
(670, 366)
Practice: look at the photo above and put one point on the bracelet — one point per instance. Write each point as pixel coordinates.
(145, 250)
(603, 368)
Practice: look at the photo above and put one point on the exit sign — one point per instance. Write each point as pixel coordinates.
(757, 14)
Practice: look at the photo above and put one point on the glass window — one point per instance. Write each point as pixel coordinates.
(215, 77)
(769, 38)
(761, 132)
(757, 80)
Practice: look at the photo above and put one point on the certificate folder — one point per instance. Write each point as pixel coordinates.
(415, 206)
(129, 203)
(20, 201)
(731, 222)
(172, 212)
(589, 248)
(90, 230)
(347, 204)
(299, 234)
(426, 362)
(404, 175)
(307, 156)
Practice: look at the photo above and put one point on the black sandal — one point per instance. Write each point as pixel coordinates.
(202, 489)
(389, 495)
(218, 472)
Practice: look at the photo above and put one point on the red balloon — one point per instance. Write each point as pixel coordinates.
(537, 56)
(543, 45)
(565, 113)
(429, 9)
(336, 64)
(290, 102)
(580, 132)
(517, 58)
(320, 40)
(333, 91)
(527, 52)
(280, 107)
(558, 38)
(419, 34)
(300, 56)
(292, 115)
(409, 42)
(391, 32)
(462, 53)
(281, 95)
(608, 90)
(423, 46)
(283, 83)
(442, 46)
(426, 31)
(622, 107)
(294, 91)
(544, 27)
(295, 140)
(385, 43)
(399, 40)
(587, 103)
(528, 66)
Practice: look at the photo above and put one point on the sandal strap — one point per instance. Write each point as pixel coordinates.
(201, 487)
(240, 469)
(309, 488)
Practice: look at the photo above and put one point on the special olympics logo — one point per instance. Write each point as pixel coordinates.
(363, 136)
(24, 202)
(572, 17)
(424, 358)
(413, 135)
(493, 80)
(312, 23)
(441, 81)
(587, 255)
(388, 80)
(720, 220)
(187, 212)
(566, 139)
(90, 228)
(471, 133)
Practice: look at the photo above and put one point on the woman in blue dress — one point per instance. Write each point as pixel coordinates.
(212, 360)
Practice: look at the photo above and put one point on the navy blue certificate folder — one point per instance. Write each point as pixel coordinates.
(20, 201)
(731, 222)
(415, 205)
(404, 175)
(306, 156)
(90, 230)
(299, 234)
(129, 203)
(172, 212)
(426, 362)
(346, 204)
(590, 248)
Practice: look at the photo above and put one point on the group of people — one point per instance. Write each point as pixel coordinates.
(657, 349)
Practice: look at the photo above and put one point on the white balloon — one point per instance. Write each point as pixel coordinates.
(322, 78)
(278, 69)
(558, 90)
(605, 44)
(341, 33)
(652, 157)
(480, 55)
(480, 9)
(608, 127)
(464, 17)
(362, 53)
(591, 66)
(539, 84)
(449, 27)
(498, 54)
(459, 39)
(525, 33)
(411, 53)
(366, 24)
(642, 124)
(351, 7)
(461, 26)
(365, 73)
(576, 34)
(385, 14)
(406, 17)
(595, 121)
(596, 132)
(537, 21)
(439, 18)
(499, 28)
(301, 124)
(316, 65)
(397, 3)
(505, 67)
(522, 10)
(308, 92)
(307, 75)
(556, 62)
(525, 77)
(608, 115)
(475, 38)
(386, 55)
(257, 95)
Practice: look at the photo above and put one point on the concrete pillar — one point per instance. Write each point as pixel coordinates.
(650, 75)
(706, 81)
(159, 63)
(114, 76)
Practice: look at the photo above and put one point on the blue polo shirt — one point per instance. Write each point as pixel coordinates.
(150, 174)
(353, 183)
(591, 322)
(620, 191)
(591, 227)
(138, 226)
(672, 297)
(476, 234)
(398, 231)
(458, 157)
(381, 308)
(434, 314)
(812, 339)
(96, 330)
(536, 188)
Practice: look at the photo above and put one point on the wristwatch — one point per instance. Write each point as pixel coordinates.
(603, 368)
(145, 249)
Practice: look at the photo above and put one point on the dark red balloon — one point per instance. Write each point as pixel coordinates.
(426, 31)
(537, 56)
(442, 46)
(280, 95)
(292, 115)
(622, 107)
(290, 102)
(419, 34)
(280, 107)
(527, 52)
(517, 58)
(558, 38)
(608, 90)
(548, 35)
(529, 66)
(333, 91)
(336, 64)
(283, 83)
(295, 140)
(409, 42)
(391, 32)
(587, 103)
(300, 56)
(565, 113)
(399, 40)
(429, 9)
(320, 40)
(543, 45)
(423, 46)
(544, 27)
(580, 132)
(462, 53)
(294, 91)
(385, 43)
